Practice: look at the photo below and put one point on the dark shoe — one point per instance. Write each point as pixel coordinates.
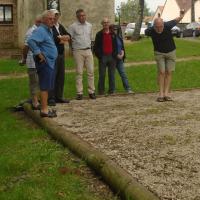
(111, 92)
(36, 107)
(101, 93)
(62, 101)
(50, 114)
(79, 97)
(51, 102)
(92, 96)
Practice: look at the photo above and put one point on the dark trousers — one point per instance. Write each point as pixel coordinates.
(104, 62)
(57, 93)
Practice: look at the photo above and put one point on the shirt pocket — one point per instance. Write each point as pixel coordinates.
(78, 31)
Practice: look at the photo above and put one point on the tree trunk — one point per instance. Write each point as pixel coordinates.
(136, 34)
(192, 10)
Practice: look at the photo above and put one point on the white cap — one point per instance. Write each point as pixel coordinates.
(55, 11)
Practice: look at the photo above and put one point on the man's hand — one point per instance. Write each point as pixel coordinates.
(41, 58)
(182, 13)
(63, 38)
(121, 55)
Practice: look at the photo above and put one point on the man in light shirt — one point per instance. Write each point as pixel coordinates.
(81, 35)
(29, 61)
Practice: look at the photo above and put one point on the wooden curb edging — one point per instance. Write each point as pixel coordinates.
(117, 178)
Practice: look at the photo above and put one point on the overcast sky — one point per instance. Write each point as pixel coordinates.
(152, 4)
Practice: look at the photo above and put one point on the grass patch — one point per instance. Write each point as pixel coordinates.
(143, 49)
(11, 66)
(135, 52)
(143, 78)
(31, 164)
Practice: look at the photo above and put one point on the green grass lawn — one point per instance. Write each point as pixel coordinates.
(11, 66)
(31, 163)
(143, 49)
(135, 52)
(143, 78)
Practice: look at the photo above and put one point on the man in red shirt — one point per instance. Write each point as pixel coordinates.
(106, 52)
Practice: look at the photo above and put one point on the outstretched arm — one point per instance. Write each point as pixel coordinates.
(182, 13)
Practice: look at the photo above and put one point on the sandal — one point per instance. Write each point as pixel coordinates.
(36, 107)
(167, 98)
(50, 114)
(160, 99)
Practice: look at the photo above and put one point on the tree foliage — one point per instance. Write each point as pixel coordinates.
(129, 11)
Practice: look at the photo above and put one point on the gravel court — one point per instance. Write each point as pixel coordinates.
(157, 143)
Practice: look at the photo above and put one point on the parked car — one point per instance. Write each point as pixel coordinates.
(130, 29)
(191, 30)
(176, 31)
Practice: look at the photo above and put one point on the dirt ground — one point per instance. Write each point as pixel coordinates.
(157, 143)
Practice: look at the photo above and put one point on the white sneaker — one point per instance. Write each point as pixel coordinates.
(130, 92)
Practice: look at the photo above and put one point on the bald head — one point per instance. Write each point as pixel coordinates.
(105, 23)
(158, 25)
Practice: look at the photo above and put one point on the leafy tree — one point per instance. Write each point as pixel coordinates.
(129, 11)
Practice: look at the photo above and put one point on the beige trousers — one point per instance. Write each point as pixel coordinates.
(84, 58)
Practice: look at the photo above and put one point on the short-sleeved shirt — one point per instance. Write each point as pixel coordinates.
(29, 60)
(163, 42)
(41, 41)
(81, 35)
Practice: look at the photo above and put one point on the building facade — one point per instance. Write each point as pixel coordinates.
(171, 10)
(16, 16)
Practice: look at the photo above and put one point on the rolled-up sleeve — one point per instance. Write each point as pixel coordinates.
(34, 42)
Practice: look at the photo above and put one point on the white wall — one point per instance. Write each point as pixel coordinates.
(171, 11)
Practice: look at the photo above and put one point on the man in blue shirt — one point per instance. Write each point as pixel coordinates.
(45, 53)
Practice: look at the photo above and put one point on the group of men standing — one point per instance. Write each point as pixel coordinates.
(45, 44)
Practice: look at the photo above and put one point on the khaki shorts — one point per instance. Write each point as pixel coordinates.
(165, 61)
(33, 81)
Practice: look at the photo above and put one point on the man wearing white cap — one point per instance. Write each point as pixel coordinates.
(61, 36)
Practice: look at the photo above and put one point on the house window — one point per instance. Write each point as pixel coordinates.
(6, 14)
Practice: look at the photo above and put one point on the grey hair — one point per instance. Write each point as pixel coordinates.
(38, 17)
(46, 13)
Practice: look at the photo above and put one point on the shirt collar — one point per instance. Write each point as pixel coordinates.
(79, 23)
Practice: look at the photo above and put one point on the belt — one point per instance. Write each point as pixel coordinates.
(85, 48)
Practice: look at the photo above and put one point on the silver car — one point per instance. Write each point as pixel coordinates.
(130, 29)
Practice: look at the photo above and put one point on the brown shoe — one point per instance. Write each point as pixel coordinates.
(92, 96)
(79, 97)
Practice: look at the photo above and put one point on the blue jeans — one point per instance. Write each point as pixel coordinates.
(106, 61)
(122, 73)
